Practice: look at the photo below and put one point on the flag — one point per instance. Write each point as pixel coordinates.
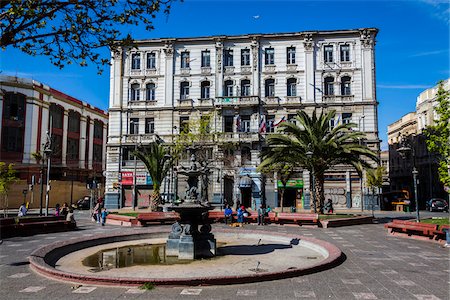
(262, 124)
(338, 120)
(238, 124)
(283, 119)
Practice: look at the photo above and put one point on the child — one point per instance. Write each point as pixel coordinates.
(104, 214)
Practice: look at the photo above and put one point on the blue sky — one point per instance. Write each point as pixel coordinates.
(412, 51)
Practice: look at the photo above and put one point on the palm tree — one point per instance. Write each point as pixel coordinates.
(284, 172)
(158, 162)
(329, 147)
(375, 180)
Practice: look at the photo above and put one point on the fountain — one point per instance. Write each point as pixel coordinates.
(185, 239)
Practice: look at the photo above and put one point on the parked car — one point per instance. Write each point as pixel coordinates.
(84, 203)
(437, 204)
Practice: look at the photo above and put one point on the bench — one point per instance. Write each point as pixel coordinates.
(298, 218)
(158, 217)
(411, 227)
(33, 225)
(217, 216)
(439, 234)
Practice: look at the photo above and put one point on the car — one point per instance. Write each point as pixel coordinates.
(84, 203)
(437, 204)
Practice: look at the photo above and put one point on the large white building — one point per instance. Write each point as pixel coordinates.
(247, 84)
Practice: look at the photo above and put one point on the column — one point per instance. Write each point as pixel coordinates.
(64, 138)
(256, 68)
(367, 65)
(168, 72)
(116, 79)
(219, 68)
(82, 145)
(105, 137)
(91, 144)
(310, 85)
(348, 189)
(31, 119)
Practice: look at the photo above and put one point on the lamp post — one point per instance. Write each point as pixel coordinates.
(309, 154)
(403, 151)
(48, 152)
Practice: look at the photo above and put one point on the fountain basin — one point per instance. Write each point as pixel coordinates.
(243, 256)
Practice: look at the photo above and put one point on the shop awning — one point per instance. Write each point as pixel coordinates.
(245, 182)
(292, 183)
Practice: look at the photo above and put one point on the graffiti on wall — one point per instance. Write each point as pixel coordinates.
(337, 195)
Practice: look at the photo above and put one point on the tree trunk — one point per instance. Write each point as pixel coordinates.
(155, 199)
(282, 199)
(319, 192)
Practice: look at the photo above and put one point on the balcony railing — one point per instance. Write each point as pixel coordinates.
(150, 72)
(269, 69)
(337, 98)
(252, 136)
(185, 102)
(246, 69)
(185, 71)
(139, 138)
(206, 70)
(229, 69)
(205, 102)
(272, 100)
(142, 104)
(293, 100)
(240, 100)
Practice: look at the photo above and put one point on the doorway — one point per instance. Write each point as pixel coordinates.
(246, 196)
(228, 187)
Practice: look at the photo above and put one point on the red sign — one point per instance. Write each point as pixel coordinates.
(127, 178)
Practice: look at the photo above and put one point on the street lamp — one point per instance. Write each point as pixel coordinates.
(403, 151)
(309, 154)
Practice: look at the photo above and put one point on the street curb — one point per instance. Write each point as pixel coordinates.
(43, 260)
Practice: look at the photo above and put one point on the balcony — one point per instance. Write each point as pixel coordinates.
(135, 72)
(206, 102)
(139, 138)
(206, 70)
(272, 101)
(346, 64)
(142, 104)
(185, 102)
(229, 70)
(293, 100)
(269, 69)
(185, 71)
(337, 98)
(246, 69)
(237, 101)
(291, 68)
(150, 72)
(226, 137)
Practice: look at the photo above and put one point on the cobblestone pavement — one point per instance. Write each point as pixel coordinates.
(377, 266)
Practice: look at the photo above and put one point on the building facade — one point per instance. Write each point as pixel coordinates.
(32, 111)
(246, 85)
(411, 127)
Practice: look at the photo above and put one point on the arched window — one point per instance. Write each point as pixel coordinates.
(245, 87)
(184, 90)
(56, 116)
(346, 86)
(292, 87)
(328, 86)
(270, 87)
(205, 90)
(134, 92)
(150, 92)
(228, 88)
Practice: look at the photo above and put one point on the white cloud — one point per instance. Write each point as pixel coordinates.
(427, 53)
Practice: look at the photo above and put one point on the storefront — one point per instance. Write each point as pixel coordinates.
(144, 189)
(293, 194)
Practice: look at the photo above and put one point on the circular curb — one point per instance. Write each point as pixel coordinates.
(43, 259)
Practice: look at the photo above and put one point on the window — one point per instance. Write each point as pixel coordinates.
(73, 121)
(245, 87)
(12, 139)
(270, 87)
(135, 61)
(56, 146)
(150, 92)
(98, 129)
(73, 149)
(184, 90)
(134, 126)
(290, 55)
(56, 116)
(246, 155)
(97, 153)
(151, 60)
(185, 60)
(332, 124)
(206, 58)
(270, 123)
(205, 124)
(228, 124)
(184, 124)
(329, 86)
(228, 58)
(269, 56)
(291, 117)
(346, 118)
(228, 88)
(345, 52)
(292, 87)
(134, 92)
(245, 124)
(149, 125)
(245, 57)
(345, 86)
(14, 107)
(328, 53)
(205, 90)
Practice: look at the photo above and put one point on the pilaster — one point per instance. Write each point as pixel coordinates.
(83, 138)
(169, 80)
(310, 85)
(91, 144)
(219, 67)
(64, 138)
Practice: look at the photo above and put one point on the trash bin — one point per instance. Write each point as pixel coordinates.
(293, 210)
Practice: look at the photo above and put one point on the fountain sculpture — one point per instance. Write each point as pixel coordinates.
(186, 240)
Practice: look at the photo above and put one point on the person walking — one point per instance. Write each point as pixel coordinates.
(104, 214)
(96, 214)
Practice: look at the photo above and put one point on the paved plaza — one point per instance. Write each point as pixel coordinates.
(377, 266)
